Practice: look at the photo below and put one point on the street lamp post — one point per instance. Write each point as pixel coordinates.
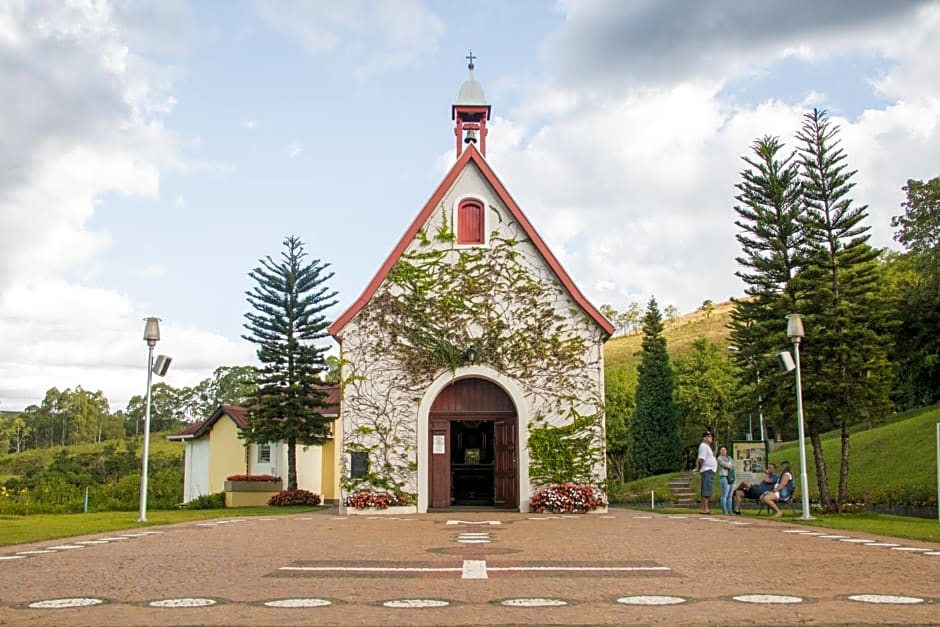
(151, 336)
(795, 333)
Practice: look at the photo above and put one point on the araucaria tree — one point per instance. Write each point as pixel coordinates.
(288, 302)
(845, 354)
(769, 216)
(654, 434)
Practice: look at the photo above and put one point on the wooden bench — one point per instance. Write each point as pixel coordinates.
(789, 503)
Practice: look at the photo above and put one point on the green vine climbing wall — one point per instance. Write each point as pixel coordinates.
(501, 300)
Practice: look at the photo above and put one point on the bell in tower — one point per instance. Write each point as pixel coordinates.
(470, 113)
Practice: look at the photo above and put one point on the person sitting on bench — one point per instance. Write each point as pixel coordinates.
(782, 491)
(749, 490)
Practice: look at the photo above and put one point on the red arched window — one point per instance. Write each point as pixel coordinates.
(470, 222)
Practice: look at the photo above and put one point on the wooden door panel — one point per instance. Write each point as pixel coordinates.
(440, 465)
(505, 493)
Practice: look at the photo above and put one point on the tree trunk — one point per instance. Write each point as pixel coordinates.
(844, 465)
(292, 463)
(822, 481)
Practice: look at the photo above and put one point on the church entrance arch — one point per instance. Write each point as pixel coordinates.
(472, 428)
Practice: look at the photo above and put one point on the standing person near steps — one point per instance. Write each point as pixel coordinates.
(725, 479)
(707, 464)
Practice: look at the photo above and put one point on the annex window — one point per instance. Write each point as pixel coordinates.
(264, 453)
(470, 222)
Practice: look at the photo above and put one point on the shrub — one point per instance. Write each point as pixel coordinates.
(566, 497)
(378, 500)
(207, 501)
(252, 478)
(294, 497)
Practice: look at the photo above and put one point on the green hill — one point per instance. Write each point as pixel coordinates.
(894, 464)
(679, 335)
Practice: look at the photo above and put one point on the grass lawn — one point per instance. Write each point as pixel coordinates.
(40, 527)
(907, 527)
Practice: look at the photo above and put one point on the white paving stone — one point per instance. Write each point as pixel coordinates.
(298, 603)
(184, 602)
(767, 598)
(650, 600)
(885, 598)
(534, 602)
(57, 604)
(415, 603)
(12, 557)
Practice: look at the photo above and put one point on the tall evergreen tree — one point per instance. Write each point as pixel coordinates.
(845, 352)
(654, 433)
(769, 211)
(288, 301)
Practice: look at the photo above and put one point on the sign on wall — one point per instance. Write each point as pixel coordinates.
(750, 460)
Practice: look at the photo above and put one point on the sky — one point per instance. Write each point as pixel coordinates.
(152, 151)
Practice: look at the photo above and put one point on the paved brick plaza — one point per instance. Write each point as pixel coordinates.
(530, 568)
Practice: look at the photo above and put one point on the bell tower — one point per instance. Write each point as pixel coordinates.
(470, 113)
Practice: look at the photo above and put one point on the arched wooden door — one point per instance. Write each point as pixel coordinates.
(474, 408)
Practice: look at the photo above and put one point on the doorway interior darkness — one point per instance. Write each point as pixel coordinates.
(471, 462)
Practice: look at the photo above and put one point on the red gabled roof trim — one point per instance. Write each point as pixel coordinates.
(471, 154)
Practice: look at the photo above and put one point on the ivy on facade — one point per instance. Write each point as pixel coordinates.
(439, 301)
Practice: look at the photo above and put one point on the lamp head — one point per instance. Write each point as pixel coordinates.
(470, 355)
(795, 327)
(152, 331)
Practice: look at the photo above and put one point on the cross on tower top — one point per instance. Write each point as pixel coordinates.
(470, 57)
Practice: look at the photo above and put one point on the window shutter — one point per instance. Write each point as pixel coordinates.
(470, 222)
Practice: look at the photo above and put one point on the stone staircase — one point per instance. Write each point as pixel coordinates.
(681, 488)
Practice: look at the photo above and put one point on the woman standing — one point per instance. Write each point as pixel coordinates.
(725, 478)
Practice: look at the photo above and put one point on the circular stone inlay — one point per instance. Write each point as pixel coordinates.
(884, 598)
(856, 540)
(416, 603)
(932, 553)
(298, 603)
(650, 600)
(185, 602)
(534, 602)
(66, 547)
(908, 548)
(12, 557)
(767, 598)
(56, 604)
(473, 541)
(882, 544)
(832, 537)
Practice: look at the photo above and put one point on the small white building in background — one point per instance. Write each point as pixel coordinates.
(213, 451)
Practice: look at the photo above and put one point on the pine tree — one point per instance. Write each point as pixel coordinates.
(769, 213)
(654, 433)
(288, 301)
(845, 351)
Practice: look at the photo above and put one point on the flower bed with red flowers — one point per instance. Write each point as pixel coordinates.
(295, 497)
(252, 478)
(566, 498)
(378, 500)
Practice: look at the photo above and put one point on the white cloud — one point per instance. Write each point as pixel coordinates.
(294, 149)
(633, 187)
(373, 35)
(249, 124)
(80, 127)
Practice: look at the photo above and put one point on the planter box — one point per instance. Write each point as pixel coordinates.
(374, 511)
(250, 493)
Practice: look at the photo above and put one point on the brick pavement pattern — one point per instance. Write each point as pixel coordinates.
(705, 560)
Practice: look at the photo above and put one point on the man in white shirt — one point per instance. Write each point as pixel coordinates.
(706, 464)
